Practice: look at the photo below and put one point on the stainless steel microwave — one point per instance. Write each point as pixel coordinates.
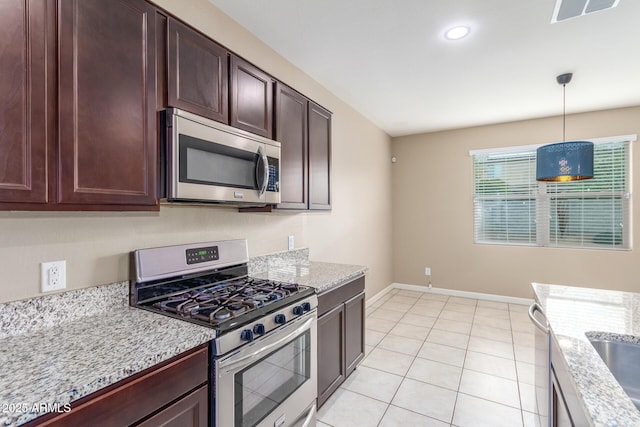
(209, 162)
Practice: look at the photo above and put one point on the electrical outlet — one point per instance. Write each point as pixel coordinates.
(427, 271)
(53, 276)
(291, 243)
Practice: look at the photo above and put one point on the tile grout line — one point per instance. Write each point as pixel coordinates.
(466, 351)
(414, 357)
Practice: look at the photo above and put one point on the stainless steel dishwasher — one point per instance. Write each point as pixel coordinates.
(542, 365)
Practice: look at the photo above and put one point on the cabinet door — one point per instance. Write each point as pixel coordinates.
(198, 73)
(162, 92)
(26, 29)
(331, 355)
(354, 331)
(291, 132)
(251, 98)
(107, 103)
(319, 157)
(190, 411)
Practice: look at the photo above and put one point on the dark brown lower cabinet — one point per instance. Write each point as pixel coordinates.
(354, 331)
(340, 335)
(190, 411)
(174, 393)
(331, 359)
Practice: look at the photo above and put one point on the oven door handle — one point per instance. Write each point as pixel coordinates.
(309, 418)
(229, 364)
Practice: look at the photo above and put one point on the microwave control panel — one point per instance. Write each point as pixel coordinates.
(197, 255)
(274, 175)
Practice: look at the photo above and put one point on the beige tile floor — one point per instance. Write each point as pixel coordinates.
(439, 361)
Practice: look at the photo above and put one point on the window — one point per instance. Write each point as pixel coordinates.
(511, 207)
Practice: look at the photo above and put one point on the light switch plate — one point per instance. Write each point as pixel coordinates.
(291, 243)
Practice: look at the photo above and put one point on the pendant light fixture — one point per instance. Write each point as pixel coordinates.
(564, 161)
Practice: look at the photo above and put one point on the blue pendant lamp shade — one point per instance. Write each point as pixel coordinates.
(565, 161)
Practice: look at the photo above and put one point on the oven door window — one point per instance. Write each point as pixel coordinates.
(205, 162)
(264, 385)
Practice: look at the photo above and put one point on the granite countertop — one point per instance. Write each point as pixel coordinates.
(49, 361)
(573, 314)
(319, 275)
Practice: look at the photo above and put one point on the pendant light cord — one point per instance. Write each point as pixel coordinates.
(564, 111)
(563, 79)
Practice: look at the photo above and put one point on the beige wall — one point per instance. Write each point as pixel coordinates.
(96, 245)
(433, 212)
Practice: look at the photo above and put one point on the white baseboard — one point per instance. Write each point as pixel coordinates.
(376, 297)
(450, 292)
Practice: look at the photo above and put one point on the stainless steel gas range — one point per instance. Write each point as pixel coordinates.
(263, 359)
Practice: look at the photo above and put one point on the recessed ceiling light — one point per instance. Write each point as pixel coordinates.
(456, 33)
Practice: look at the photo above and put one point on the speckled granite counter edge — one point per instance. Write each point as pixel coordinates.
(603, 400)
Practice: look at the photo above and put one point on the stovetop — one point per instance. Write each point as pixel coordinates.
(228, 304)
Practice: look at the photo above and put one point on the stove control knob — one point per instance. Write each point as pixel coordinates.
(281, 319)
(246, 335)
(298, 310)
(258, 329)
(306, 306)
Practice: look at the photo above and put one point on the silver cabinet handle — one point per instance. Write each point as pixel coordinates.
(532, 309)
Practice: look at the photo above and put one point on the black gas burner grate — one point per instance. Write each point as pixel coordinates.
(222, 302)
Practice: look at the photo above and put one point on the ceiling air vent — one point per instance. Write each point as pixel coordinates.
(566, 9)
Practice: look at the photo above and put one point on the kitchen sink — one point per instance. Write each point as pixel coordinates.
(623, 361)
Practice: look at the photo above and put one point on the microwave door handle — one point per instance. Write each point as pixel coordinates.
(262, 178)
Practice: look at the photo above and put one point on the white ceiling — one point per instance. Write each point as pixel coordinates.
(389, 60)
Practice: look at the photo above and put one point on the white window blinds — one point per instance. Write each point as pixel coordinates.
(511, 207)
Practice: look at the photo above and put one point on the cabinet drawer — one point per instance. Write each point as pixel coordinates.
(190, 411)
(339, 294)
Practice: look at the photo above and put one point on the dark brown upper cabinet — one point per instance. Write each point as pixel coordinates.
(251, 100)
(197, 73)
(303, 129)
(27, 43)
(319, 157)
(107, 103)
(77, 131)
(291, 132)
